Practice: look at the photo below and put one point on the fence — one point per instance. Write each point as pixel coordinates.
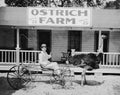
(7, 56)
(111, 60)
(26, 56)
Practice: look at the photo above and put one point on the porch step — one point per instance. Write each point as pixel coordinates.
(101, 70)
(6, 67)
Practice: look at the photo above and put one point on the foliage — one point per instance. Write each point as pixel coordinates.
(113, 4)
(26, 3)
(64, 3)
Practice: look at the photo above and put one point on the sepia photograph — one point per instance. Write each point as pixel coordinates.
(59, 47)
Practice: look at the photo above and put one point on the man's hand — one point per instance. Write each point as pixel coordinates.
(50, 54)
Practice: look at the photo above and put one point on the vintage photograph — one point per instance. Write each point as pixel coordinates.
(59, 47)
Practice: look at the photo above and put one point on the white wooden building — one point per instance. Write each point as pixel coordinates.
(23, 30)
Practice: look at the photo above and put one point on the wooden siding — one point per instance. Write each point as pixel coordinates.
(87, 41)
(18, 16)
(13, 16)
(59, 44)
(7, 41)
(106, 18)
(32, 39)
(114, 43)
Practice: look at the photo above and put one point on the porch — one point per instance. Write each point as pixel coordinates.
(8, 58)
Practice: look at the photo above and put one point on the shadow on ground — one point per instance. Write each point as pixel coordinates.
(5, 89)
(90, 82)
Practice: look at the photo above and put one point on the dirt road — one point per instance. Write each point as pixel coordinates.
(96, 85)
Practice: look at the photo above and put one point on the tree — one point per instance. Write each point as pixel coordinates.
(117, 3)
(25, 3)
(64, 3)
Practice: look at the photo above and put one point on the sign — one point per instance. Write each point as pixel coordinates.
(77, 17)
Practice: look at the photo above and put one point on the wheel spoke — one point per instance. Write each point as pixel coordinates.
(10, 74)
(15, 71)
(16, 80)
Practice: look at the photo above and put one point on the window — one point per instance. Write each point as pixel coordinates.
(24, 39)
(74, 40)
(44, 36)
(105, 40)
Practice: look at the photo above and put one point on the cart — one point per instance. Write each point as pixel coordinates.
(22, 74)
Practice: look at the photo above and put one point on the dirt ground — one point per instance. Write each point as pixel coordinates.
(96, 85)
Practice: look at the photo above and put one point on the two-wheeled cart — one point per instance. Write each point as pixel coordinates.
(20, 75)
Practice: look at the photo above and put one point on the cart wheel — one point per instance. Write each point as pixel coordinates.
(17, 78)
(24, 73)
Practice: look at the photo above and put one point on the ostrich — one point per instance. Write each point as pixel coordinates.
(88, 62)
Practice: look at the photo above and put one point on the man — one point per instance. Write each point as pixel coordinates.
(44, 60)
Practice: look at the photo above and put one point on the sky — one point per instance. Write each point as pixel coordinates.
(2, 3)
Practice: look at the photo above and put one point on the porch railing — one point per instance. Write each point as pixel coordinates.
(25, 56)
(110, 59)
(7, 56)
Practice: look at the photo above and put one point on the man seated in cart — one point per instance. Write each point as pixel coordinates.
(44, 60)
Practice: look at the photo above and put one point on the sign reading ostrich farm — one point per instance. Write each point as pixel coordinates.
(76, 17)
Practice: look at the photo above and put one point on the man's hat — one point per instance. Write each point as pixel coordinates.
(43, 45)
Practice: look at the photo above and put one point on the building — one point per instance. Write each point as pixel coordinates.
(62, 29)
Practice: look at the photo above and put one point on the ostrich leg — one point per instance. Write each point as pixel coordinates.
(83, 77)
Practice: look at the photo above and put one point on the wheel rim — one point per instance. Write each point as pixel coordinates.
(16, 79)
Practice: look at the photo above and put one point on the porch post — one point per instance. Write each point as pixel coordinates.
(100, 44)
(17, 48)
